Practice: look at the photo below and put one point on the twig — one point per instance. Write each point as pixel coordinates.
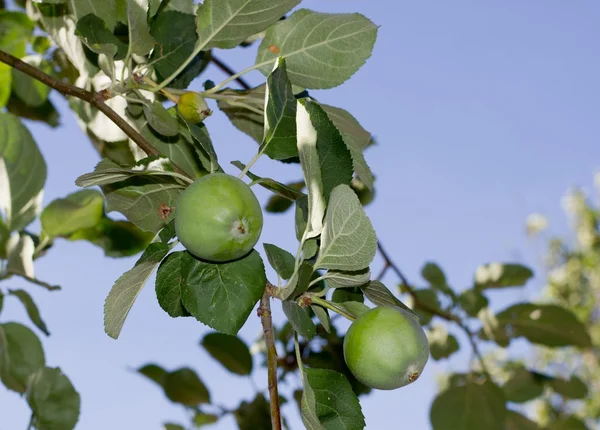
(267, 324)
(224, 67)
(389, 264)
(475, 347)
(35, 281)
(96, 99)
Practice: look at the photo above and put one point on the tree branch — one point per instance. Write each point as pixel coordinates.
(267, 324)
(225, 68)
(96, 99)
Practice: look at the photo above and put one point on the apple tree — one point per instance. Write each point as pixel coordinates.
(126, 68)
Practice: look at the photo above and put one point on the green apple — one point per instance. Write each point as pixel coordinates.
(386, 348)
(218, 218)
(193, 107)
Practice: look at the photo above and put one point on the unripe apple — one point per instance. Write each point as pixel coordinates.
(218, 218)
(193, 107)
(386, 348)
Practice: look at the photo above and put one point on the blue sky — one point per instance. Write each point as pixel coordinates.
(483, 111)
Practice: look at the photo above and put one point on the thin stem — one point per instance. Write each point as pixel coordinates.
(476, 351)
(298, 356)
(267, 324)
(35, 281)
(95, 99)
(251, 163)
(232, 100)
(224, 67)
(331, 306)
(235, 76)
(164, 91)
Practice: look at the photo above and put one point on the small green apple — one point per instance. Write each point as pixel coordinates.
(218, 218)
(193, 107)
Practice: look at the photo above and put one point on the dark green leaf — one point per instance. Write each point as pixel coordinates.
(226, 23)
(347, 279)
(434, 274)
(53, 400)
(280, 260)
(1, 301)
(31, 91)
(354, 308)
(45, 113)
(24, 165)
(230, 351)
(331, 401)
(501, 275)
(80, 210)
(246, 120)
(99, 38)
(380, 295)
(356, 139)
(32, 310)
(538, 324)
(272, 185)
(202, 419)
(126, 289)
(153, 372)
(160, 119)
(298, 283)
(141, 43)
(278, 204)
(574, 388)
(21, 355)
(472, 301)
(169, 281)
(299, 319)
(441, 343)
(280, 131)
(323, 317)
(427, 297)
(336, 47)
(185, 387)
(172, 426)
(516, 421)
(473, 406)
(568, 423)
(223, 295)
(523, 386)
(255, 415)
(105, 10)
(348, 295)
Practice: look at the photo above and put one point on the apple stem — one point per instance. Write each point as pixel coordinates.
(331, 306)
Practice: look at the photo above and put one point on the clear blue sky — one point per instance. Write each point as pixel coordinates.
(483, 111)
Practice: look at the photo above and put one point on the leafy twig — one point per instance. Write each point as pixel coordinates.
(224, 67)
(96, 99)
(267, 324)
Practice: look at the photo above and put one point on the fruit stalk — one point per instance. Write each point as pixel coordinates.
(267, 324)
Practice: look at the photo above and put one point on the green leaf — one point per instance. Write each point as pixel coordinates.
(223, 295)
(153, 372)
(574, 388)
(346, 279)
(32, 310)
(472, 301)
(356, 139)
(568, 423)
(280, 116)
(280, 260)
(80, 210)
(254, 415)
(128, 287)
(246, 120)
(31, 91)
(271, 184)
(21, 355)
(354, 308)
(523, 386)
(501, 275)
(146, 201)
(17, 28)
(538, 324)
(54, 402)
(172, 426)
(230, 351)
(334, 158)
(169, 281)
(516, 421)
(441, 343)
(348, 241)
(185, 387)
(116, 238)
(105, 10)
(99, 38)
(202, 419)
(279, 204)
(427, 297)
(22, 173)
(324, 57)
(323, 317)
(434, 274)
(1, 301)
(380, 295)
(20, 249)
(335, 406)
(298, 283)
(299, 319)
(45, 113)
(140, 41)
(348, 295)
(472, 406)
(175, 44)
(161, 120)
(226, 23)
(201, 142)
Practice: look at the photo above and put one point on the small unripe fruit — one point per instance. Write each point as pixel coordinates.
(218, 218)
(193, 107)
(386, 348)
